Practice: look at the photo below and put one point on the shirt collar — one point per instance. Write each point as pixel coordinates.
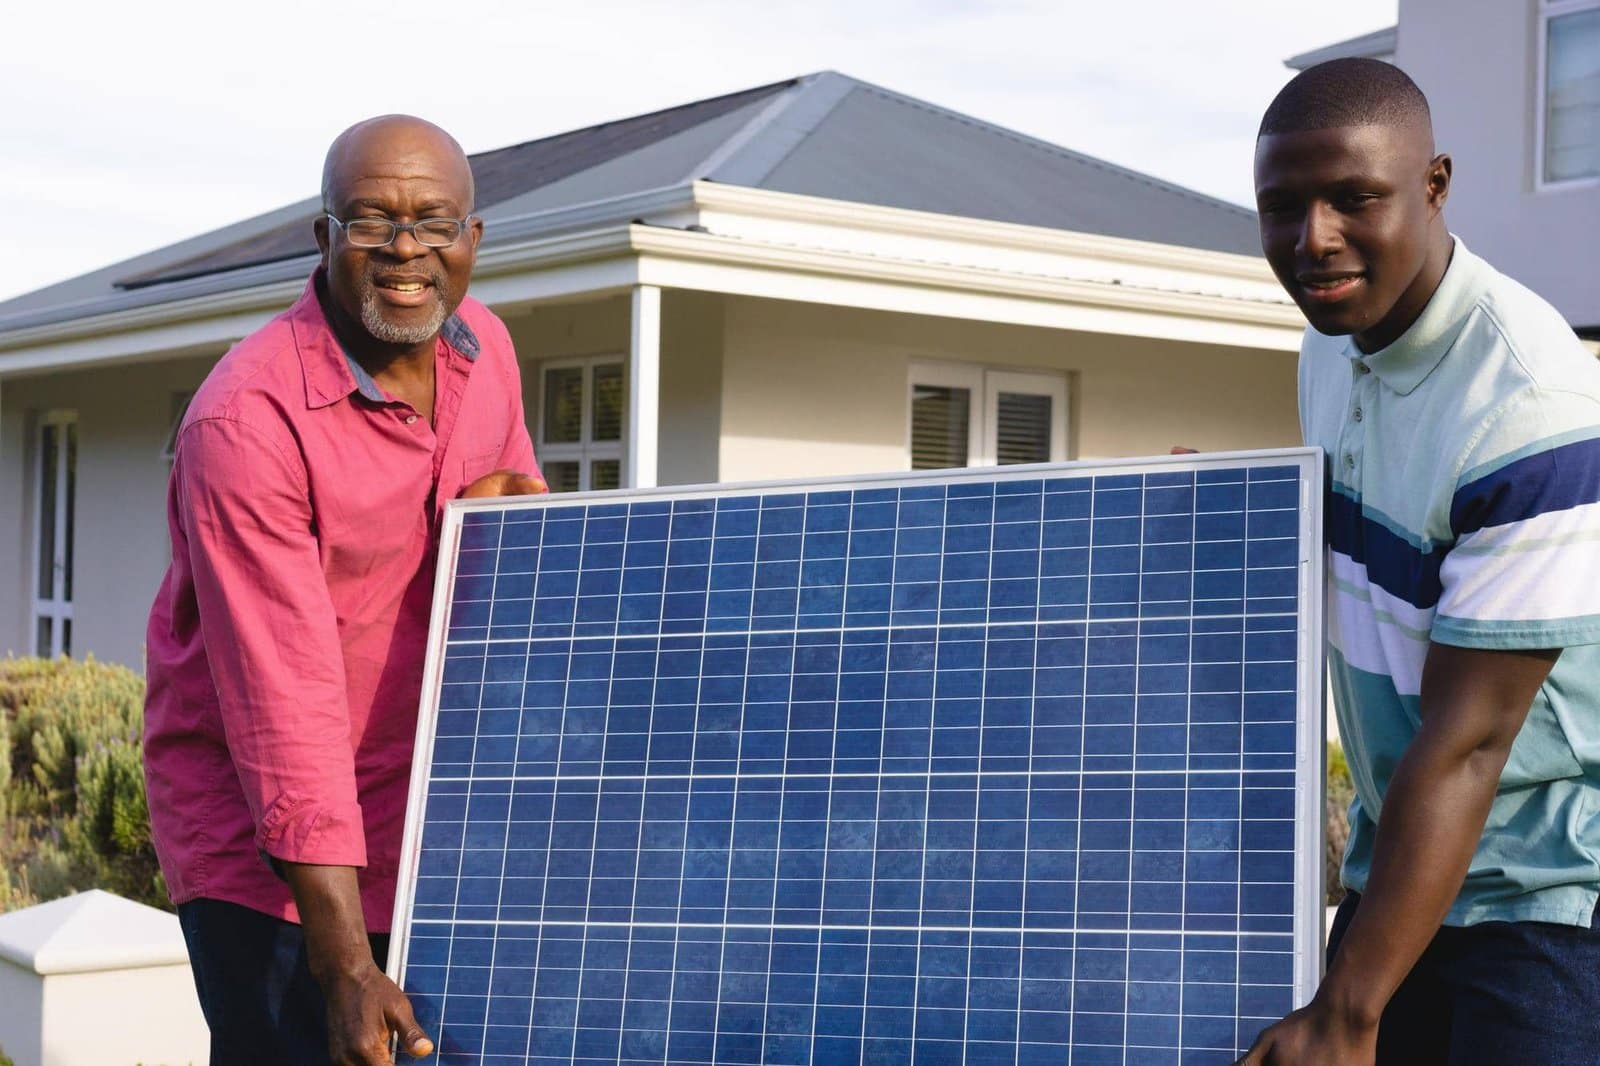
(331, 372)
(1408, 361)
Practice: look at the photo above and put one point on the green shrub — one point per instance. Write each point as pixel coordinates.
(72, 803)
(1336, 824)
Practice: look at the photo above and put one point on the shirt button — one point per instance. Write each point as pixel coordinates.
(1356, 414)
(410, 419)
(1349, 461)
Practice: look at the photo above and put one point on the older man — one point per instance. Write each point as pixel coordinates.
(286, 643)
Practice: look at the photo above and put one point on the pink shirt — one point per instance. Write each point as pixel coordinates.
(285, 645)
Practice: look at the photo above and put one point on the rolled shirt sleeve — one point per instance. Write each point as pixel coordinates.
(273, 639)
(1524, 570)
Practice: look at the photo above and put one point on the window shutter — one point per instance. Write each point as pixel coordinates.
(940, 423)
(1022, 434)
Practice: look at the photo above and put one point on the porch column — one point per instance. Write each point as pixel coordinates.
(644, 387)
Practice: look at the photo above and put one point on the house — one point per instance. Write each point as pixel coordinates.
(1514, 86)
(813, 277)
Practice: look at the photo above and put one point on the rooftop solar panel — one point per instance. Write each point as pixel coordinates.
(971, 767)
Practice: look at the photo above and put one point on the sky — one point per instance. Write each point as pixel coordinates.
(130, 126)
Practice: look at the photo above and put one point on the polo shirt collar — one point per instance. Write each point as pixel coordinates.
(331, 372)
(1406, 363)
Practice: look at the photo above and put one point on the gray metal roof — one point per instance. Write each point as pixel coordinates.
(1379, 44)
(824, 135)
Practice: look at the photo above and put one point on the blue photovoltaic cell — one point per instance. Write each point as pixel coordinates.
(955, 771)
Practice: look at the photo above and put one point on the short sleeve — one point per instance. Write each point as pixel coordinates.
(1524, 569)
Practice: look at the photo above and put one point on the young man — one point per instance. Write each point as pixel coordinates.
(1461, 418)
(286, 643)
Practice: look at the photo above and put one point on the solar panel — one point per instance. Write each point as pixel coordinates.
(972, 767)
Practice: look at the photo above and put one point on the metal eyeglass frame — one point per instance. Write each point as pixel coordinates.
(396, 228)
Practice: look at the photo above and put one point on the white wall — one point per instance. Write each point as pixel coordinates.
(149, 1016)
(811, 390)
(121, 550)
(21, 1008)
(1478, 65)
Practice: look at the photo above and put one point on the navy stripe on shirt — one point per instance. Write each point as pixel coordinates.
(1558, 479)
(1393, 564)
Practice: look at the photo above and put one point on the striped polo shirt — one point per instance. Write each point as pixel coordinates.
(1464, 509)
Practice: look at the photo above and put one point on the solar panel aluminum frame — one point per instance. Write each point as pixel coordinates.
(1310, 721)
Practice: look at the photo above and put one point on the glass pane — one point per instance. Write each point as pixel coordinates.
(72, 505)
(66, 636)
(180, 407)
(605, 474)
(562, 476)
(608, 400)
(49, 456)
(1022, 429)
(940, 418)
(1572, 97)
(41, 639)
(563, 406)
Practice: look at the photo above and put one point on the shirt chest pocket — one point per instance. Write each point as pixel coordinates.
(476, 466)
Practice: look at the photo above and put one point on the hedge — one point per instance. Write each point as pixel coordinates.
(72, 803)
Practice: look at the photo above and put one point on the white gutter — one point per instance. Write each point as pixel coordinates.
(775, 233)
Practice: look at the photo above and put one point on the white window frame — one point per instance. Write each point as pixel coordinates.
(57, 606)
(984, 385)
(1549, 10)
(585, 450)
(180, 407)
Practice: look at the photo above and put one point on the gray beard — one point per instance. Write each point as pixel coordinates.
(372, 317)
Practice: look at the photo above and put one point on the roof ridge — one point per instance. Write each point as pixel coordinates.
(746, 159)
(787, 83)
(1040, 144)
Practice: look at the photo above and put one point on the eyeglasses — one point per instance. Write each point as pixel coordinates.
(377, 232)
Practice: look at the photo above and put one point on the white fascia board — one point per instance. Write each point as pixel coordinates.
(539, 239)
(738, 211)
(674, 259)
(520, 272)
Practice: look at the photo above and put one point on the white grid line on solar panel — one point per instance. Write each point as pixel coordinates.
(972, 900)
(880, 927)
(777, 867)
(1239, 1036)
(802, 775)
(633, 902)
(910, 626)
(867, 526)
(445, 999)
(633, 907)
(728, 878)
(956, 555)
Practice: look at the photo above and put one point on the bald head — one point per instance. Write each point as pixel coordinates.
(374, 146)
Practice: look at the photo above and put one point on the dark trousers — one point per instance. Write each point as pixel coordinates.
(256, 991)
(1497, 994)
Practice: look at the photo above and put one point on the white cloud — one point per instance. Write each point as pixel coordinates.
(131, 126)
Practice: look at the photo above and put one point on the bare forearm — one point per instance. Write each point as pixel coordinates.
(1433, 816)
(329, 901)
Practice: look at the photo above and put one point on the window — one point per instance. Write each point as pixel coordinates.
(1569, 92)
(580, 423)
(971, 416)
(180, 407)
(55, 489)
